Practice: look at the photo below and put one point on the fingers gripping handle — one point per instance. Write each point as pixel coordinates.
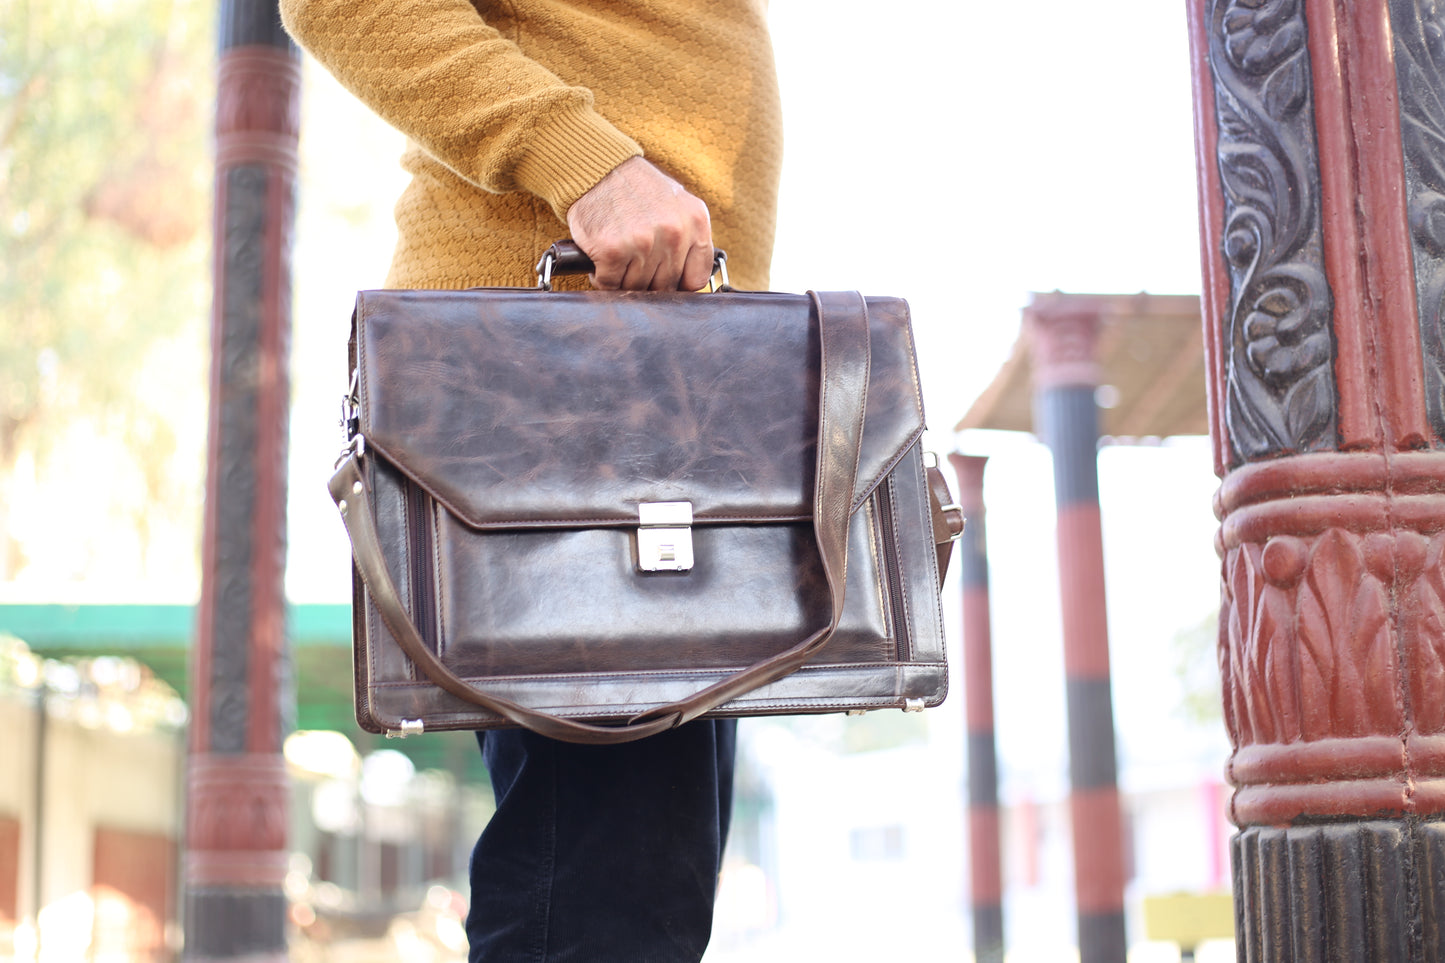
(567, 257)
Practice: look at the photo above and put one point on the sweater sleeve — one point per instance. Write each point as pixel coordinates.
(437, 72)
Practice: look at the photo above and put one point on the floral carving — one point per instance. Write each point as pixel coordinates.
(1280, 389)
(1419, 30)
(1309, 646)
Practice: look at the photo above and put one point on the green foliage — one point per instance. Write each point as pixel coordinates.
(1196, 666)
(104, 201)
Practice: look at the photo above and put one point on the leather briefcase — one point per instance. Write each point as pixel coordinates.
(600, 515)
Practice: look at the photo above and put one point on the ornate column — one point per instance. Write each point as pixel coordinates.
(985, 860)
(236, 856)
(1063, 338)
(1321, 144)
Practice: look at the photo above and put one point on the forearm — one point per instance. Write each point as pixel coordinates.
(438, 73)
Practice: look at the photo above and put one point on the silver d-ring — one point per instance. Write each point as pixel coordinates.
(720, 268)
(544, 271)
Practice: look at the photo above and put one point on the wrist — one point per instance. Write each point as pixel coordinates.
(569, 155)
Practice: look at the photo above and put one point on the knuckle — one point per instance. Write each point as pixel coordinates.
(671, 234)
(639, 242)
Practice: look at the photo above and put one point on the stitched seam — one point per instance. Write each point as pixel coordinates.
(362, 394)
(913, 378)
(659, 675)
(863, 400)
(902, 582)
(925, 512)
(438, 583)
(913, 368)
(402, 579)
(880, 584)
(621, 711)
(888, 468)
(619, 521)
(371, 633)
(822, 402)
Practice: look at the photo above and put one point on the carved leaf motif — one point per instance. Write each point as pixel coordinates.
(1287, 89)
(1316, 659)
(1289, 39)
(1227, 678)
(1317, 666)
(1309, 405)
(1345, 633)
(1275, 637)
(1243, 582)
(1419, 63)
(1426, 613)
(1230, 631)
(1255, 181)
(1265, 656)
(1260, 34)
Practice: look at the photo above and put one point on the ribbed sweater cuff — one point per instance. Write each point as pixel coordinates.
(568, 156)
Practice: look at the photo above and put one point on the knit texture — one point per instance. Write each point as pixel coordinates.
(500, 145)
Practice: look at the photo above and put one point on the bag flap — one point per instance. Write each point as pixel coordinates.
(516, 407)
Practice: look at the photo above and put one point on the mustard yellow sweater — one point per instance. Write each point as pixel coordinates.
(515, 108)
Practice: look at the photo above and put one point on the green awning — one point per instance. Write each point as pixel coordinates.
(159, 637)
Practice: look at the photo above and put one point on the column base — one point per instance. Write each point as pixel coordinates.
(235, 924)
(1102, 938)
(988, 933)
(1367, 890)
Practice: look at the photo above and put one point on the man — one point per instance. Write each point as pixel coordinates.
(649, 131)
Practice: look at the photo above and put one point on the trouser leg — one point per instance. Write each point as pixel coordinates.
(601, 854)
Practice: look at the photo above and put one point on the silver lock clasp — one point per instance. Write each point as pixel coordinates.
(664, 536)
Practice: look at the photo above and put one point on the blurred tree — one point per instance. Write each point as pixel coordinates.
(1196, 667)
(104, 197)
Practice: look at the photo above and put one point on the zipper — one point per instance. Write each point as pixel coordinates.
(887, 534)
(422, 563)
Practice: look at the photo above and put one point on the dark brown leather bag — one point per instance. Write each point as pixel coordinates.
(601, 515)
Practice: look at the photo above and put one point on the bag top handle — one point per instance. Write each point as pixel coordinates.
(567, 257)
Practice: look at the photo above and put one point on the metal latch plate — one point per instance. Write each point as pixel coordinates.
(664, 536)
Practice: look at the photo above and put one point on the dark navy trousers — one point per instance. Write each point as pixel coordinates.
(601, 854)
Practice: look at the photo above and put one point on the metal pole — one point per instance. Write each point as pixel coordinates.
(1063, 337)
(985, 860)
(236, 858)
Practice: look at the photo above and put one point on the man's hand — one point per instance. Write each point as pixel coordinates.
(643, 231)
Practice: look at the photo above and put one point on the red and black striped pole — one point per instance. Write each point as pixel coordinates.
(236, 819)
(985, 860)
(1063, 336)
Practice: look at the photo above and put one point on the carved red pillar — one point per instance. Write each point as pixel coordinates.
(1063, 335)
(985, 859)
(236, 846)
(1322, 196)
